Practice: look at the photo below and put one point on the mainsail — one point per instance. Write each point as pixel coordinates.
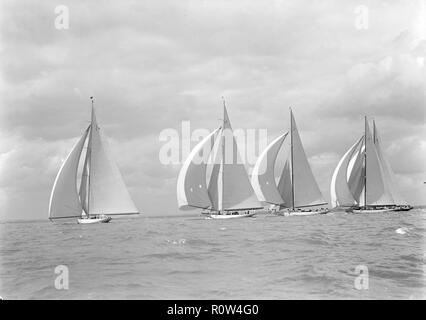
(229, 187)
(285, 185)
(215, 182)
(305, 189)
(102, 189)
(388, 172)
(237, 192)
(107, 191)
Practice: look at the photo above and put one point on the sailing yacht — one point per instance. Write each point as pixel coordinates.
(228, 194)
(297, 192)
(363, 181)
(102, 191)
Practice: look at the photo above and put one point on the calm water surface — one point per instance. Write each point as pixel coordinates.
(265, 257)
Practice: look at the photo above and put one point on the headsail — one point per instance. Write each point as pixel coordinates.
(191, 184)
(263, 176)
(340, 192)
(64, 199)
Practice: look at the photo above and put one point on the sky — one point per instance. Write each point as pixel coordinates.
(152, 65)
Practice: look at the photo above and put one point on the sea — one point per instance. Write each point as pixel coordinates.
(334, 256)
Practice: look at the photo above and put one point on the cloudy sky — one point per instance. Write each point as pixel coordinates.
(153, 64)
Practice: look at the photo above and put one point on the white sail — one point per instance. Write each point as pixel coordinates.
(237, 192)
(285, 187)
(376, 191)
(84, 185)
(191, 184)
(340, 192)
(64, 199)
(389, 176)
(263, 176)
(107, 191)
(214, 185)
(305, 188)
(356, 173)
(215, 182)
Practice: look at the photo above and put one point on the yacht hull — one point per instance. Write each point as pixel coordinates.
(372, 210)
(301, 213)
(231, 216)
(403, 208)
(100, 219)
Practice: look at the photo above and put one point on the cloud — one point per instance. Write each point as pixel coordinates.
(387, 88)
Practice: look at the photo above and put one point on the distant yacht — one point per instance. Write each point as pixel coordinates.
(363, 180)
(102, 190)
(228, 194)
(297, 192)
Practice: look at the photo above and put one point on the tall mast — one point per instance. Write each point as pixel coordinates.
(374, 132)
(223, 152)
(365, 161)
(291, 145)
(89, 151)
